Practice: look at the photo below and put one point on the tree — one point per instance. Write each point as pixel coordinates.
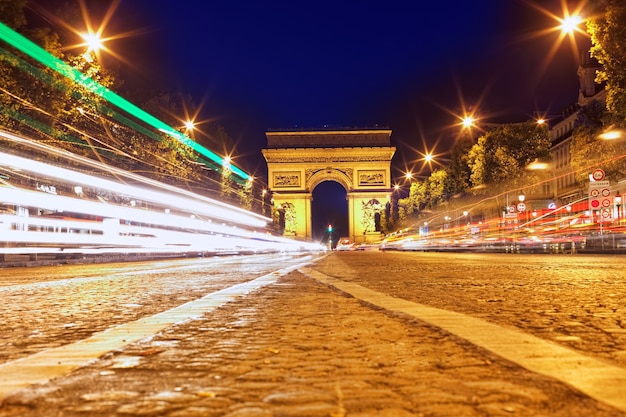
(589, 152)
(12, 12)
(607, 27)
(436, 187)
(501, 154)
(414, 202)
(458, 170)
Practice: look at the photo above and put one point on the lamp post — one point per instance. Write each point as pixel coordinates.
(618, 203)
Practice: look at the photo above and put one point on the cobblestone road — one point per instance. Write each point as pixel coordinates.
(51, 306)
(578, 301)
(300, 348)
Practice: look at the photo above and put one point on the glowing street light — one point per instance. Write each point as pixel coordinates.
(189, 125)
(468, 121)
(611, 134)
(93, 41)
(569, 24)
(538, 165)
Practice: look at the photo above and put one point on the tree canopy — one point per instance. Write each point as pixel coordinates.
(607, 27)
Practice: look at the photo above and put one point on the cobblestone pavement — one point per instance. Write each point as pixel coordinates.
(575, 300)
(299, 348)
(51, 306)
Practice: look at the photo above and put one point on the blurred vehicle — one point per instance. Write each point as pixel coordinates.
(367, 246)
(345, 244)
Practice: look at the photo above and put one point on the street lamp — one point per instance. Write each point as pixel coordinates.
(93, 41)
(611, 133)
(468, 121)
(618, 203)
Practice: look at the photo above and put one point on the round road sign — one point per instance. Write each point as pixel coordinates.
(598, 175)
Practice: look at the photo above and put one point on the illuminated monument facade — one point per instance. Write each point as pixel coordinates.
(359, 160)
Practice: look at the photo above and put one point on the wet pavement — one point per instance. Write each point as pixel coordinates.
(301, 347)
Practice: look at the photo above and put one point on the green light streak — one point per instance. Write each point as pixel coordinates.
(38, 73)
(23, 44)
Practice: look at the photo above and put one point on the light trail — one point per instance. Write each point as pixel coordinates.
(37, 216)
(36, 52)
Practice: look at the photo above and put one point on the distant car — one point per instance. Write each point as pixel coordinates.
(345, 244)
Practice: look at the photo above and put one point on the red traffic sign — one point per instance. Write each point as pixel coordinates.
(598, 174)
(595, 203)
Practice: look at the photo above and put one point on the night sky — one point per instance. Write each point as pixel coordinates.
(404, 65)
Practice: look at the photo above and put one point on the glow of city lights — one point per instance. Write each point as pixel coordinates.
(41, 55)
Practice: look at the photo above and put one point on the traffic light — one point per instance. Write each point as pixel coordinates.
(330, 228)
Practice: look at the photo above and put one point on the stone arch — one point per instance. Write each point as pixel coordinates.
(329, 174)
(359, 160)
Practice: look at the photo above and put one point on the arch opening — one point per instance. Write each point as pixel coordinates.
(329, 206)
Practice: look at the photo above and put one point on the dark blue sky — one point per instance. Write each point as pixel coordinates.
(397, 64)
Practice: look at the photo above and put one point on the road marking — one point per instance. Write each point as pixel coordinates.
(598, 379)
(45, 365)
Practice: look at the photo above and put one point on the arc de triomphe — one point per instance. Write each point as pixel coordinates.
(359, 160)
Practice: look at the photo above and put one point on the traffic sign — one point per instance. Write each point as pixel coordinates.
(521, 206)
(598, 175)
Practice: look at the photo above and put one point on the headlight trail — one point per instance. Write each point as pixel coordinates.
(37, 216)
